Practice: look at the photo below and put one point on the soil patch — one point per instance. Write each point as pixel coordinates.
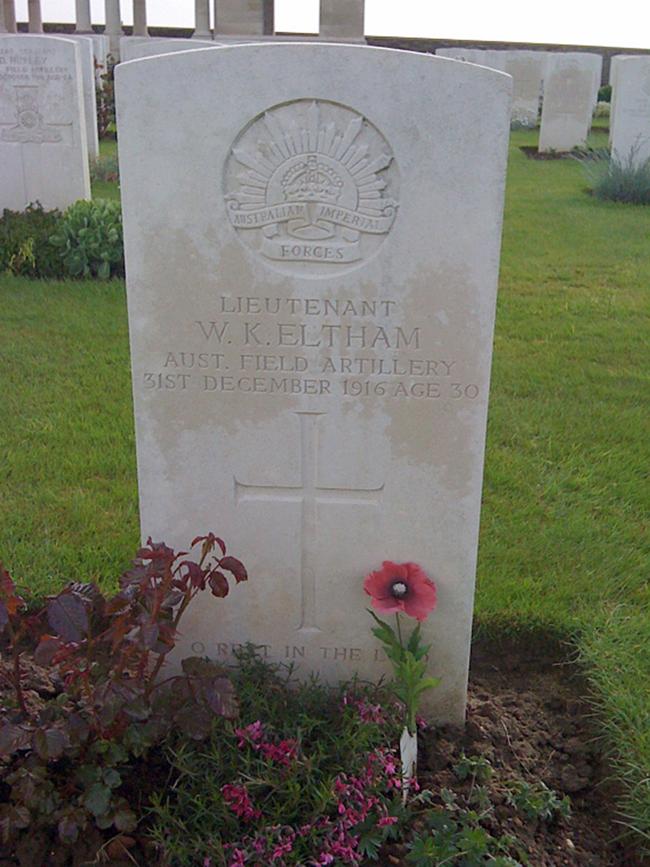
(533, 154)
(527, 714)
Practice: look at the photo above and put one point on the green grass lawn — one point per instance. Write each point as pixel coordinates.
(564, 542)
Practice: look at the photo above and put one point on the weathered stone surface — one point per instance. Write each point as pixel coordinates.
(43, 147)
(132, 49)
(87, 61)
(311, 303)
(630, 120)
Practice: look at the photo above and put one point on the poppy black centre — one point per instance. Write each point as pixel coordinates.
(399, 589)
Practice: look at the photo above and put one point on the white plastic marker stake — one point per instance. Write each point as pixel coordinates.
(408, 747)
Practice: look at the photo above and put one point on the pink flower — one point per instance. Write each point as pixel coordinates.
(237, 798)
(252, 734)
(401, 587)
(283, 753)
(387, 820)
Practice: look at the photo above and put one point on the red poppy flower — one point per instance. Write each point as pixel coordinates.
(401, 587)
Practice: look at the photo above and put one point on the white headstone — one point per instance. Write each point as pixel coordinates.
(631, 111)
(43, 148)
(527, 69)
(613, 66)
(87, 60)
(153, 47)
(568, 103)
(311, 304)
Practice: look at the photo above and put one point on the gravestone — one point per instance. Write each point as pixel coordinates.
(631, 111)
(133, 50)
(568, 103)
(311, 303)
(43, 148)
(613, 66)
(527, 69)
(87, 60)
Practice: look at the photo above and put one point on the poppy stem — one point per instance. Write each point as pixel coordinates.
(399, 630)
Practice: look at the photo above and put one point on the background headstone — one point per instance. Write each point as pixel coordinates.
(43, 148)
(568, 103)
(87, 61)
(630, 119)
(613, 66)
(527, 69)
(311, 304)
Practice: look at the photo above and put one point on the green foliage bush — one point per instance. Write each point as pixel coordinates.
(619, 180)
(25, 247)
(605, 93)
(89, 239)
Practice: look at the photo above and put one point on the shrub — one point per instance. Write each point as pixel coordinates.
(25, 247)
(66, 761)
(602, 110)
(106, 104)
(605, 93)
(620, 180)
(105, 168)
(89, 239)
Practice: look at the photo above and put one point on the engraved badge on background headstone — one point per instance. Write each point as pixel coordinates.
(312, 182)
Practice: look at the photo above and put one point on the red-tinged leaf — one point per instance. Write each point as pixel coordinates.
(196, 575)
(13, 738)
(232, 564)
(49, 743)
(8, 593)
(221, 544)
(221, 698)
(48, 647)
(4, 615)
(148, 635)
(68, 830)
(218, 584)
(68, 616)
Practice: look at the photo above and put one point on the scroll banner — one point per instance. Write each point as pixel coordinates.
(310, 214)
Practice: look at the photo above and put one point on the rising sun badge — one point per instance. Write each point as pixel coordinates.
(312, 183)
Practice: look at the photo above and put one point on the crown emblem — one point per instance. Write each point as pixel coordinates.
(311, 181)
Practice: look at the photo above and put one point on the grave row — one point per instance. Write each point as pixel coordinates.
(312, 238)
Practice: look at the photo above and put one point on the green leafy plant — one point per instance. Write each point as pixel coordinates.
(25, 247)
(89, 239)
(619, 180)
(605, 93)
(105, 168)
(66, 760)
(458, 838)
(307, 776)
(538, 801)
(476, 768)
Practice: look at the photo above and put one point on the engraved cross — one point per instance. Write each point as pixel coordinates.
(310, 494)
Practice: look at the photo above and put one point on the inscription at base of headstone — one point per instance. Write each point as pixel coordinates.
(311, 303)
(43, 145)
